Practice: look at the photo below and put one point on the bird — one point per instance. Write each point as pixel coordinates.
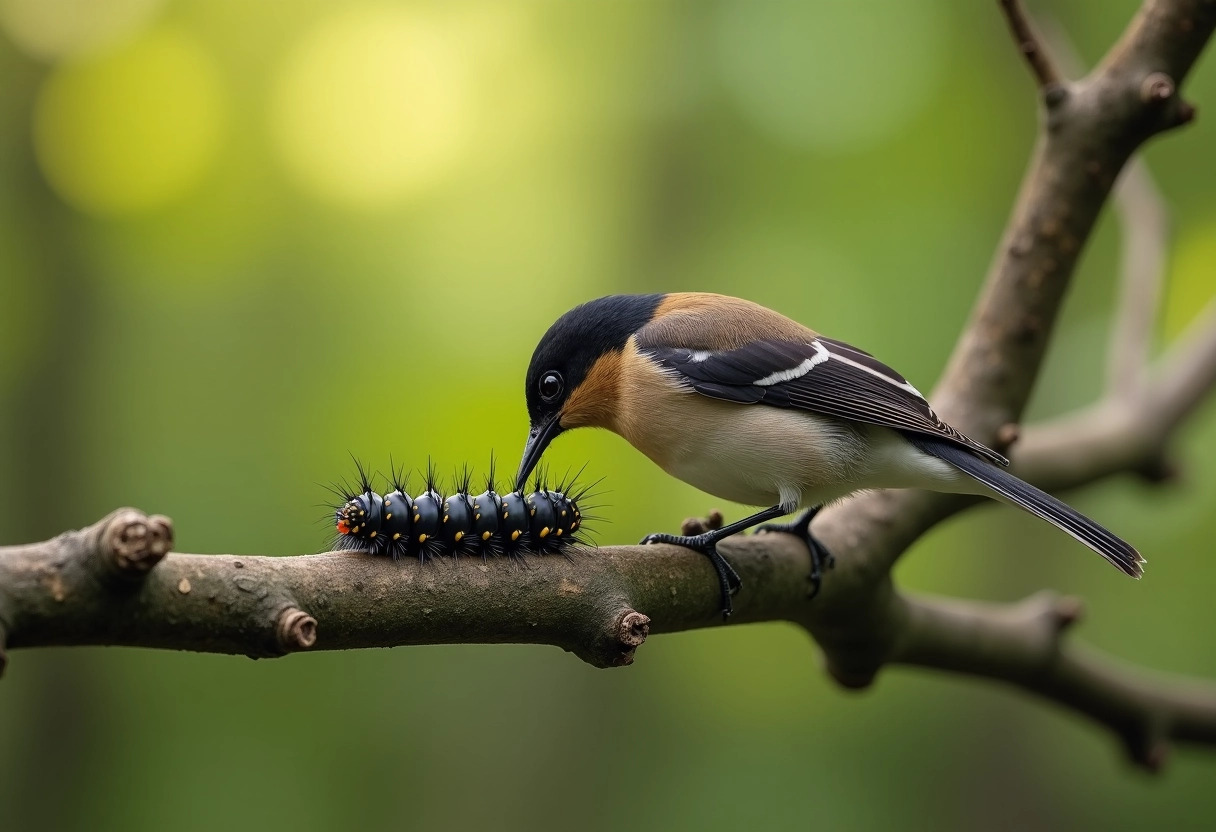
(746, 404)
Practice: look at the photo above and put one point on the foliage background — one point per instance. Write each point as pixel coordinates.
(240, 240)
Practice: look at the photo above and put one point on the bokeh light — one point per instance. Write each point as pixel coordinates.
(132, 129)
(372, 106)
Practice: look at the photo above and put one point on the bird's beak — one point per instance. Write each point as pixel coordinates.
(538, 439)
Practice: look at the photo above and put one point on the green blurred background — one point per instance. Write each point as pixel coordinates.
(240, 240)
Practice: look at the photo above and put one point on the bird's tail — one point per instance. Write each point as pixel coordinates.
(1039, 503)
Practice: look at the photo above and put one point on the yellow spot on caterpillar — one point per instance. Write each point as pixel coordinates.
(532, 513)
(515, 535)
(543, 532)
(563, 512)
(388, 503)
(362, 512)
(458, 536)
(422, 538)
(476, 516)
(485, 535)
(416, 518)
(506, 514)
(388, 516)
(445, 518)
(373, 534)
(397, 536)
(558, 532)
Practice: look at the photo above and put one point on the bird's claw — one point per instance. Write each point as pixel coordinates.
(707, 544)
(800, 527)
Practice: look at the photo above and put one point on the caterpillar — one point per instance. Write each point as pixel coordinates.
(431, 525)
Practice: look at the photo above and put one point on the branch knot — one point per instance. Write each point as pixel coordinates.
(132, 542)
(1156, 87)
(296, 630)
(632, 628)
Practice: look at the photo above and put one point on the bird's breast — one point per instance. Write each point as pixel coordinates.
(752, 454)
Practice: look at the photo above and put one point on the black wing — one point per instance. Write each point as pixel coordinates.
(822, 375)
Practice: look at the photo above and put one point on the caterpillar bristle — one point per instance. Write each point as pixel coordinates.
(542, 475)
(585, 493)
(462, 479)
(336, 489)
(398, 477)
(401, 481)
(365, 482)
(432, 480)
(491, 486)
(567, 481)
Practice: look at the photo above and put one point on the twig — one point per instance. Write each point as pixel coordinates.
(1144, 231)
(1144, 225)
(1028, 44)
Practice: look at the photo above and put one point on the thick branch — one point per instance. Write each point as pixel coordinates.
(1089, 134)
(1088, 139)
(1129, 429)
(85, 588)
(1023, 644)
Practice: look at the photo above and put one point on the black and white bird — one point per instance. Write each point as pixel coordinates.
(750, 406)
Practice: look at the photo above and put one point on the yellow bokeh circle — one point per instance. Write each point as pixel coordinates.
(133, 129)
(372, 106)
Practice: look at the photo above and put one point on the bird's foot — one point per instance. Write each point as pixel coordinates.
(706, 544)
(800, 527)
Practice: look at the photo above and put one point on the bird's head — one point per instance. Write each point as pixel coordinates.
(573, 380)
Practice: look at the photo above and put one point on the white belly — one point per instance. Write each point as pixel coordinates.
(764, 456)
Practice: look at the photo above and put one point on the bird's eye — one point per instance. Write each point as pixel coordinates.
(551, 386)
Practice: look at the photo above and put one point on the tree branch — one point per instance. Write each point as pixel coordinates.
(1126, 432)
(1088, 135)
(96, 586)
(1023, 645)
(113, 584)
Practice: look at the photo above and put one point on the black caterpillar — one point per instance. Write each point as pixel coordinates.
(432, 525)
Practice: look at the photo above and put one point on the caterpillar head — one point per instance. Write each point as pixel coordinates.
(360, 516)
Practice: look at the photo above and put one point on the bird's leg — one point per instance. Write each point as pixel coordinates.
(800, 527)
(707, 544)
